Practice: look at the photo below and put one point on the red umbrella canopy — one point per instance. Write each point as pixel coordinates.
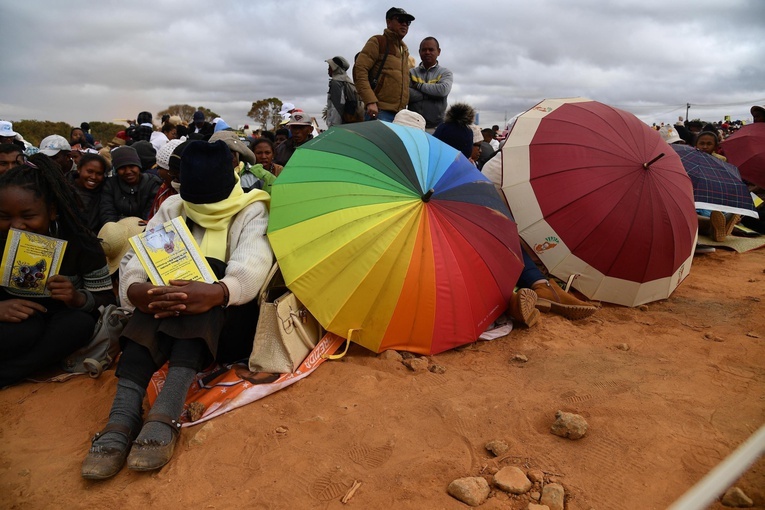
(746, 149)
(596, 192)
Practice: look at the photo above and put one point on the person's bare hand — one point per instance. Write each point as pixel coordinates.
(18, 310)
(200, 296)
(372, 110)
(61, 289)
(158, 300)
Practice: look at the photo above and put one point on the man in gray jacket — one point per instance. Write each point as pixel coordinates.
(429, 85)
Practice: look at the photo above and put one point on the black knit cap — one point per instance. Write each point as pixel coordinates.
(174, 163)
(207, 172)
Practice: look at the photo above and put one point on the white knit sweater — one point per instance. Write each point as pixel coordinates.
(249, 255)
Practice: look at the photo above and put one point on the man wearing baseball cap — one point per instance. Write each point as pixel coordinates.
(300, 127)
(58, 149)
(381, 71)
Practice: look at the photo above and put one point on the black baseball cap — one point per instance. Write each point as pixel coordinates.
(398, 11)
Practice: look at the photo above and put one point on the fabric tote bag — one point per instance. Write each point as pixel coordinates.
(286, 330)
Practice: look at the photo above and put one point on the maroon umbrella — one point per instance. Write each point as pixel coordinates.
(746, 149)
(598, 194)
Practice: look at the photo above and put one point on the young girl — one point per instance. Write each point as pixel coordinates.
(39, 331)
(707, 141)
(88, 181)
(721, 225)
(187, 323)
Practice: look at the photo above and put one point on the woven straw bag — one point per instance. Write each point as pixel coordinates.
(286, 330)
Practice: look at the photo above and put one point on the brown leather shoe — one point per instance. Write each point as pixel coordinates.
(150, 455)
(102, 463)
(722, 226)
(523, 307)
(551, 298)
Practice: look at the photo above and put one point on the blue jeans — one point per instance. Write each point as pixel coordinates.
(385, 115)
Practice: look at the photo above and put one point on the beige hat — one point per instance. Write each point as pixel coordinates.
(410, 119)
(669, 134)
(234, 144)
(114, 239)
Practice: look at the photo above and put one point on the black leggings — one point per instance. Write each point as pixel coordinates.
(137, 364)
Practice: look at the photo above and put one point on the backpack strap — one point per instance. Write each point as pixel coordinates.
(382, 41)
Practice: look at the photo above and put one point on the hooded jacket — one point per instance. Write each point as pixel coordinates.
(392, 93)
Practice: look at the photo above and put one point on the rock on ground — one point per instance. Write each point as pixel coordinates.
(536, 475)
(416, 364)
(570, 425)
(513, 480)
(534, 506)
(735, 497)
(552, 496)
(472, 490)
(201, 436)
(390, 355)
(497, 447)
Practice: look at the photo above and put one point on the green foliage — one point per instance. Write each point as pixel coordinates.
(186, 112)
(266, 111)
(34, 131)
(104, 131)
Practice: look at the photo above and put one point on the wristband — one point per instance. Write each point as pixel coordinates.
(225, 294)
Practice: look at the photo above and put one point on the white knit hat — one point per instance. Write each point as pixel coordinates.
(164, 153)
(410, 119)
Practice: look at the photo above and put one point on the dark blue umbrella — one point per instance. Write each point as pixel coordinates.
(717, 185)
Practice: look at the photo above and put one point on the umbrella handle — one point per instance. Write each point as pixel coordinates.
(654, 160)
(347, 345)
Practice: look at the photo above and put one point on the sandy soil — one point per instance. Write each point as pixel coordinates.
(689, 390)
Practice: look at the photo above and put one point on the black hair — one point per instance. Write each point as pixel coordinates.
(89, 156)
(268, 134)
(283, 131)
(167, 127)
(258, 141)
(431, 38)
(85, 126)
(46, 181)
(8, 148)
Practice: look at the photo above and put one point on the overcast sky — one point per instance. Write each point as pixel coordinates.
(105, 60)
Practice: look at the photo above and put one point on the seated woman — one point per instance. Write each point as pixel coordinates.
(87, 181)
(39, 331)
(187, 323)
(130, 192)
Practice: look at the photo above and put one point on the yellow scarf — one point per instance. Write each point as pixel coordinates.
(215, 218)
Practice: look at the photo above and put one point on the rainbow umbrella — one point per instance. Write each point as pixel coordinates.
(393, 239)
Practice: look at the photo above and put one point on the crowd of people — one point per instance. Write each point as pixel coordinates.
(96, 196)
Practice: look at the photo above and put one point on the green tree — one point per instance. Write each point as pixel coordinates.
(266, 111)
(186, 112)
(34, 131)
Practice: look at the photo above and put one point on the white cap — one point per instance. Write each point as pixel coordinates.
(53, 144)
(6, 129)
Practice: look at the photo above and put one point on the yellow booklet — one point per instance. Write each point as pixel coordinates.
(169, 252)
(29, 259)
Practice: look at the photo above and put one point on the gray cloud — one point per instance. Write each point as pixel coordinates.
(117, 58)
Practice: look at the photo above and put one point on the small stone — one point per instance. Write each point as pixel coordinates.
(520, 358)
(281, 430)
(497, 447)
(569, 425)
(752, 334)
(735, 497)
(552, 496)
(24, 472)
(408, 355)
(752, 280)
(708, 336)
(470, 490)
(416, 364)
(437, 369)
(534, 506)
(553, 479)
(643, 308)
(623, 347)
(536, 475)
(535, 495)
(511, 479)
(390, 355)
(201, 436)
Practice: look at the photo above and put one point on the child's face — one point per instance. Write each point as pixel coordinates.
(23, 210)
(706, 143)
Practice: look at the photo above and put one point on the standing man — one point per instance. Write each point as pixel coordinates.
(385, 60)
(429, 85)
